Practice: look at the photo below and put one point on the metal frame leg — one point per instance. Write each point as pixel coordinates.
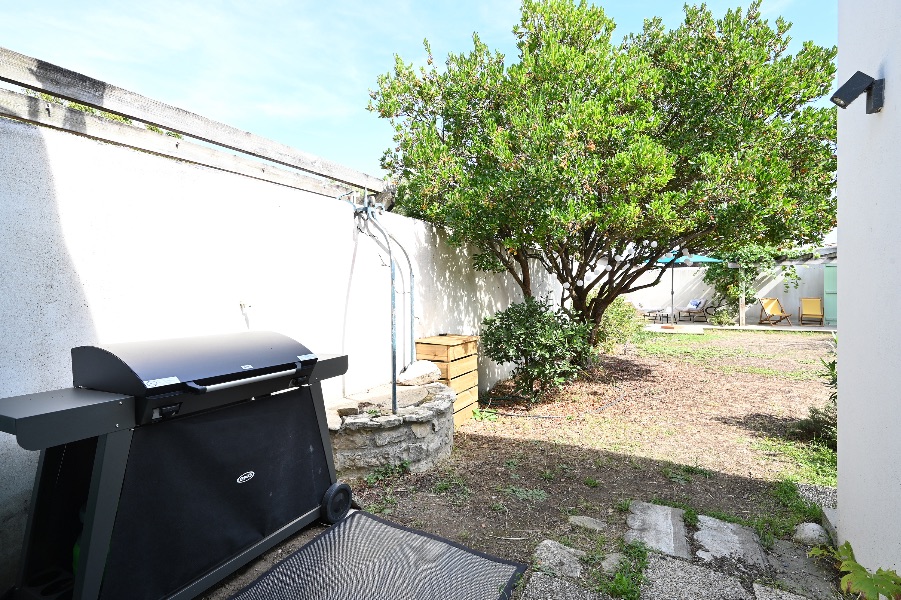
(103, 500)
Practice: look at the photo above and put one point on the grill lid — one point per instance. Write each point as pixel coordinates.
(160, 366)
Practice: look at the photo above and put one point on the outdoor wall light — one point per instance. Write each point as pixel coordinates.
(859, 83)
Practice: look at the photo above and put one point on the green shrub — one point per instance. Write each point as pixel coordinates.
(620, 324)
(547, 347)
(722, 317)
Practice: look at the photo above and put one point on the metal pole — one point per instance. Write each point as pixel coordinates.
(741, 298)
(369, 213)
(672, 294)
(412, 311)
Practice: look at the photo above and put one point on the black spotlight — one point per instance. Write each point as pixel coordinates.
(859, 83)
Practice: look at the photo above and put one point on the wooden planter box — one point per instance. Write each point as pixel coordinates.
(457, 356)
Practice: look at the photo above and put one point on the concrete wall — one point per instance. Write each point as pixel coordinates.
(869, 210)
(101, 244)
(688, 283)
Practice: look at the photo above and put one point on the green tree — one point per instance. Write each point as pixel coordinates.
(592, 159)
(755, 261)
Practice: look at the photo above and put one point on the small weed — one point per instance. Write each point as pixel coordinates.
(625, 583)
(676, 476)
(682, 473)
(387, 472)
(385, 505)
(455, 485)
(374, 412)
(511, 464)
(498, 507)
(547, 475)
(526, 495)
(484, 414)
(591, 482)
(689, 514)
(696, 470)
(624, 505)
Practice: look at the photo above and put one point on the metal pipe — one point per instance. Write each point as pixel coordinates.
(371, 216)
(412, 288)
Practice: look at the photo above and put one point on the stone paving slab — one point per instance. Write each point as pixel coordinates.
(795, 571)
(546, 587)
(672, 579)
(660, 528)
(555, 558)
(588, 523)
(719, 539)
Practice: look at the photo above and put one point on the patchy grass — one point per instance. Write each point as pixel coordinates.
(809, 461)
(626, 581)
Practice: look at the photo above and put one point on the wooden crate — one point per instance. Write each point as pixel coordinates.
(463, 407)
(457, 358)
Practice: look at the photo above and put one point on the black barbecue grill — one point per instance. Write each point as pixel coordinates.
(172, 463)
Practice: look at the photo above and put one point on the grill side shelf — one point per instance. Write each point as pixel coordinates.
(62, 416)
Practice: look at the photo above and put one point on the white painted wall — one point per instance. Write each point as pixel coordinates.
(101, 244)
(869, 210)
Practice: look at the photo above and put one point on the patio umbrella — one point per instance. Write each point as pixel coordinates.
(684, 261)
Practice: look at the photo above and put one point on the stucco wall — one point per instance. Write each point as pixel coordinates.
(869, 210)
(100, 244)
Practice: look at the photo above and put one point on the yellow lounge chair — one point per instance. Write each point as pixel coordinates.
(811, 309)
(771, 312)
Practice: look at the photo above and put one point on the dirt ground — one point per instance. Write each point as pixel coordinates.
(676, 419)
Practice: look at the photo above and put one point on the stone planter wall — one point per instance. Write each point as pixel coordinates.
(420, 434)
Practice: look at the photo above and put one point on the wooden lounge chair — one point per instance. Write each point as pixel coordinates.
(811, 309)
(696, 308)
(771, 312)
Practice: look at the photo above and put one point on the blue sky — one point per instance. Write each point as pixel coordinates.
(298, 71)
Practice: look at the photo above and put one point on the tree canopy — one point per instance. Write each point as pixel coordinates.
(592, 158)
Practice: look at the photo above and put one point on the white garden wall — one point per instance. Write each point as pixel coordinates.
(688, 283)
(869, 210)
(101, 244)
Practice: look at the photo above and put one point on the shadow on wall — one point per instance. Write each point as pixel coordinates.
(43, 311)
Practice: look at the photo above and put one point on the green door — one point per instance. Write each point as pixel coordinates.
(830, 294)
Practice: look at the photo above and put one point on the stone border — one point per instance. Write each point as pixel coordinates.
(420, 435)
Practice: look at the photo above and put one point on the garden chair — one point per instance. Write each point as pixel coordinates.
(771, 312)
(811, 309)
(695, 308)
(651, 313)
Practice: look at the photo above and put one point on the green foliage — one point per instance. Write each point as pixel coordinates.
(527, 495)
(822, 423)
(584, 153)
(620, 323)
(387, 472)
(626, 582)
(547, 347)
(811, 461)
(793, 510)
(857, 579)
(484, 414)
(722, 317)
(756, 261)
